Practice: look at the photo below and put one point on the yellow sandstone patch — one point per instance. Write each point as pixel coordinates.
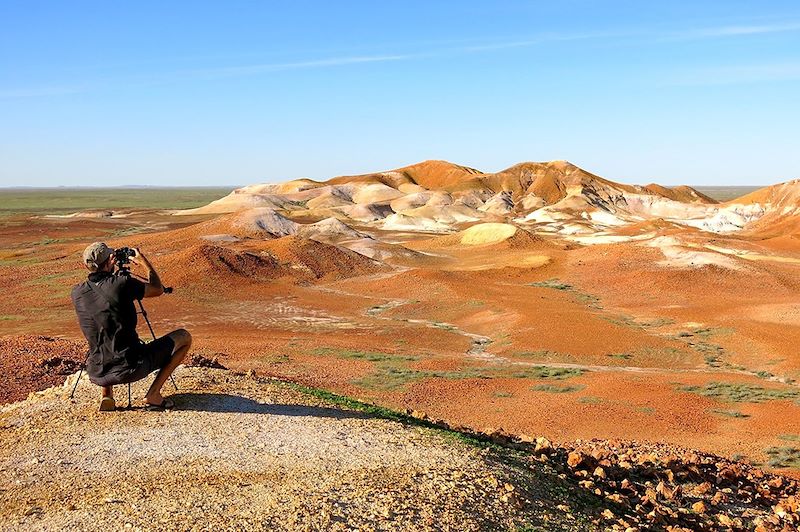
(488, 233)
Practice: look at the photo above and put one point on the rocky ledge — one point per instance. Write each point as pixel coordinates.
(247, 452)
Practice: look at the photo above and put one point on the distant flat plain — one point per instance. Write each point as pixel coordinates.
(15, 201)
(726, 193)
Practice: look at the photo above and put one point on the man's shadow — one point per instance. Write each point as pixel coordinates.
(223, 402)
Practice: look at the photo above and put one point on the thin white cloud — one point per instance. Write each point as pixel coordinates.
(635, 36)
(208, 73)
(729, 31)
(544, 38)
(34, 92)
(738, 74)
(246, 70)
(262, 68)
(735, 31)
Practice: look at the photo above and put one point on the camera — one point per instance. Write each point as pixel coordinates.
(123, 255)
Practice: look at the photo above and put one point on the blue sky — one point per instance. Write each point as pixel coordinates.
(218, 93)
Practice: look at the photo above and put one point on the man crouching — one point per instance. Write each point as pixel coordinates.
(107, 317)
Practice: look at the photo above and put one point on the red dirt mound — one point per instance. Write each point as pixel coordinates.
(302, 259)
(33, 363)
(525, 240)
(217, 264)
(439, 174)
(429, 174)
(309, 260)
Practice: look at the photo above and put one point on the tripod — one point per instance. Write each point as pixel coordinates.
(143, 312)
(167, 290)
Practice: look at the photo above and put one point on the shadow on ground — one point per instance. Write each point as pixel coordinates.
(222, 402)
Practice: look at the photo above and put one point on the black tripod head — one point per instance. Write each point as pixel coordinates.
(125, 270)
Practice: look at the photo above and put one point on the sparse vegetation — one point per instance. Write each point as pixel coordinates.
(659, 353)
(388, 377)
(444, 326)
(64, 201)
(14, 260)
(46, 241)
(590, 400)
(378, 309)
(276, 358)
(782, 457)
(391, 371)
(128, 231)
(354, 354)
(580, 297)
(538, 354)
(708, 332)
(555, 284)
(56, 285)
(741, 393)
(623, 320)
(555, 388)
(730, 413)
(547, 372)
(712, 353)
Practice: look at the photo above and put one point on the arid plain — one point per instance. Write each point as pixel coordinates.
(542, 299)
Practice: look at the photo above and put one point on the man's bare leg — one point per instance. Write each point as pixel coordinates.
(183, 341)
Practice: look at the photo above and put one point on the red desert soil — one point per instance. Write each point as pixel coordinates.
(689, 341)
(33, 363)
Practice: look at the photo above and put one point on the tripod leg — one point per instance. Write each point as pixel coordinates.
(143, 312)
(129, 395)
(71, 395)
(80, 373)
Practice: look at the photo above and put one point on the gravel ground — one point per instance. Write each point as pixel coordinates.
(248, 453)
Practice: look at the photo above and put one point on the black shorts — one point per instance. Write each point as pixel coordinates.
(152, 357)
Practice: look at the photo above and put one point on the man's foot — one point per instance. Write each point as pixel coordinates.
(166, 404)
(153, 398)
(107, 404)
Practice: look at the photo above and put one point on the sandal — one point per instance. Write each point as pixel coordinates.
(166, 404)
(107, 404)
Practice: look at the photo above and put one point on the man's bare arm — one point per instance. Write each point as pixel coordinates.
(153, 286)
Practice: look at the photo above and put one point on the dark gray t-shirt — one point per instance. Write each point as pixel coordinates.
(104, 304)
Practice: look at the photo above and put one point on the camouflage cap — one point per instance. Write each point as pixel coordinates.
(96, 254)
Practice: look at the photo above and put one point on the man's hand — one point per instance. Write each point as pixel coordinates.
(139, 259)
(153, 287)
